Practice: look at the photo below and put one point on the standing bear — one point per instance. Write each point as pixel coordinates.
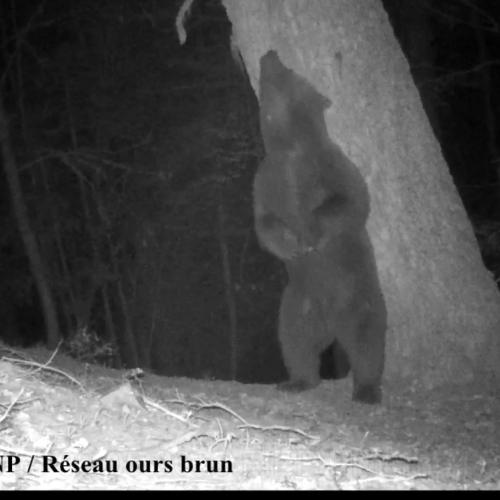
(311, 205)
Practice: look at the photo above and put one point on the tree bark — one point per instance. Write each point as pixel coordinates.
(444, 308)
(229, 292)
(37, 265)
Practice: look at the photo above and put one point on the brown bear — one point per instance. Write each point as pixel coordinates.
(311, 205)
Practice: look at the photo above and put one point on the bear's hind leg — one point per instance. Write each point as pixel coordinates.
(297, 338)
(365, 348)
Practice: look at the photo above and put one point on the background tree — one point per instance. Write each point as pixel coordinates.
(37, 264)
(136, 156)
(138, 180)
(443, 306)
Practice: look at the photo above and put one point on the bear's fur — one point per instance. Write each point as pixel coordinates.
(311, 205)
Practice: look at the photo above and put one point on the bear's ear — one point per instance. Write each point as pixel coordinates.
(273, 73)
(271, 57)
(271, 65)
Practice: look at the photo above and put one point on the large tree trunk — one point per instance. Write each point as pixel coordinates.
(444, 308)
(38, 267)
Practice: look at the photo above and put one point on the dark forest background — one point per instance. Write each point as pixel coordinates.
(136, 157)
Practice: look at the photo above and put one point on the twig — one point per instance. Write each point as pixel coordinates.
(20, 451)
(185, 438)
(13, 352)
(46, 368)
(404, 479)
(51, 358)
(347, 464)
(180, 20)
(281, 428)
(167, 412)
(11, 405)
(222, 437)
(392, 458)
(220, 406)
(248, 425)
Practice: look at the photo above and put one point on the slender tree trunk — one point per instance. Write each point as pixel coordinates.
(444, 308)
(19, 73)
(487, 94)
(126, 339)
(142, 301)
(59, 267)
(110, 334)
(37, 265)
(229, 291)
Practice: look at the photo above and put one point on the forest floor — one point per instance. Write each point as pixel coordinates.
(68, 425)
